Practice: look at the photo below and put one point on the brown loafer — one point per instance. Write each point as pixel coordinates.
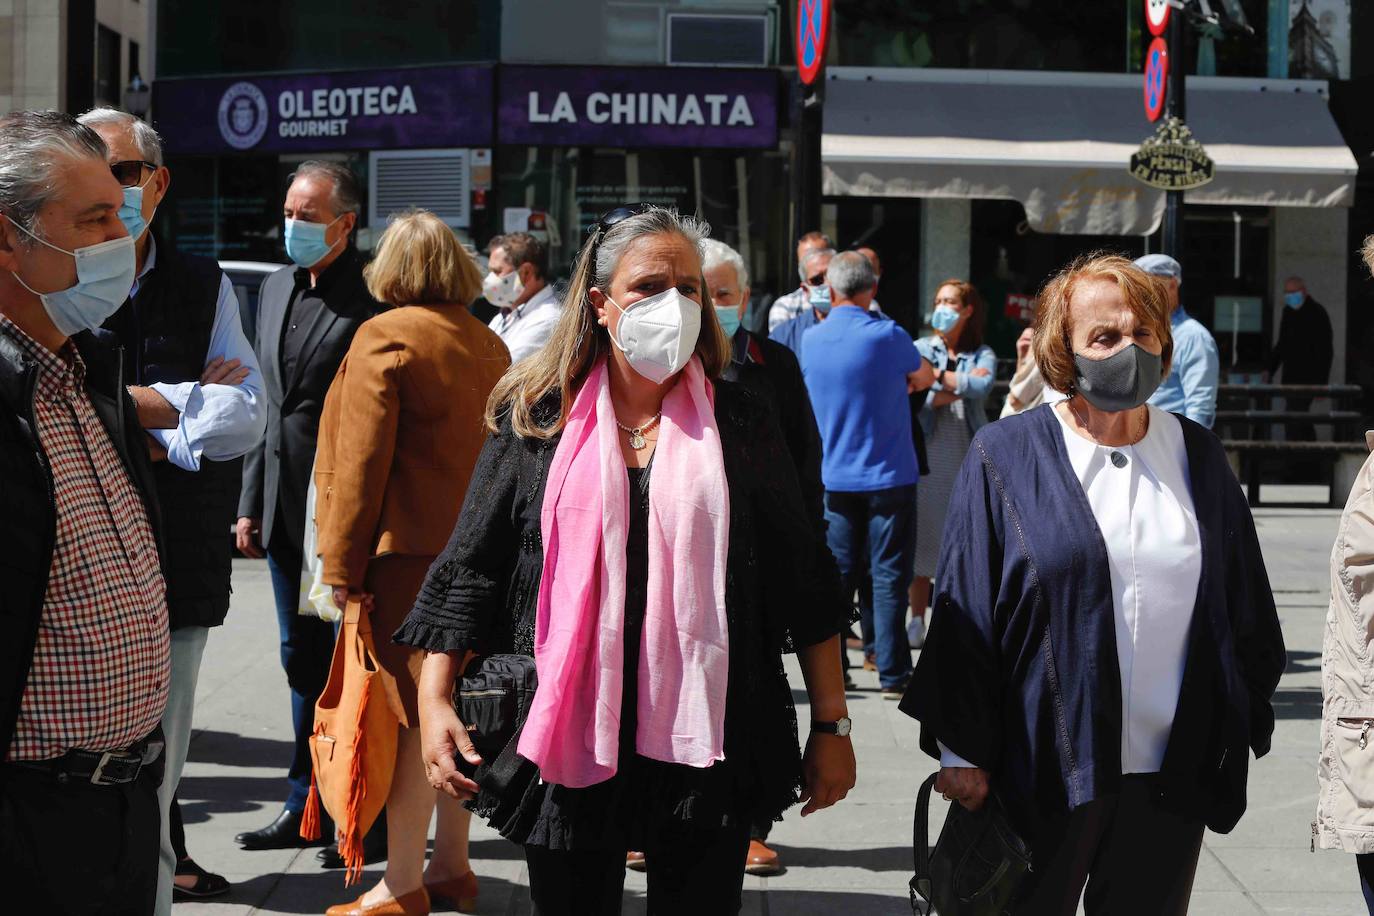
(458, 893)
(761, 860)
(634, 861)
(416, 903)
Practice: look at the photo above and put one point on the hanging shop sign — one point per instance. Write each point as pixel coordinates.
(1156, 79)
(1157, 16)
(638, 107)
(1172, 159)
(371, 109)
(813, 33)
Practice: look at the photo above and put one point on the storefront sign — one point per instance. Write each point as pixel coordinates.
(1172, 159)
(638, 108)
(1019, 307)
(377, 109)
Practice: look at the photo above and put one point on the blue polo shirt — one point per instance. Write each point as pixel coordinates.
(855, 365)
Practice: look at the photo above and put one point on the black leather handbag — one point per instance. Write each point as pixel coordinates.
(492, 699)
(978, 863)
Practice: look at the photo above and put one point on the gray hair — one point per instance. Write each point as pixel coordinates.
(850, 273)
(715, 253)
(348, 190)
(148, 141)
(653, 221)
(811, 256)
(33, 146)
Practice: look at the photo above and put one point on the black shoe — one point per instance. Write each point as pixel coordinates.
(283, 833)
(374, 848)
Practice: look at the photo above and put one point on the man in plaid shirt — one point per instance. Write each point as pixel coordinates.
(84, 645)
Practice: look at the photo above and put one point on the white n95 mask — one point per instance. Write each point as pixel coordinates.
(659, 334)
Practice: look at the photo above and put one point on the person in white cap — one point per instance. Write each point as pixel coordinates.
(1191, 388)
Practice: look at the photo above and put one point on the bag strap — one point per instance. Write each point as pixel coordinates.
(920, 884)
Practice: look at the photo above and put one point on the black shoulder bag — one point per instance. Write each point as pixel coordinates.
(978, 863)
(492, 698)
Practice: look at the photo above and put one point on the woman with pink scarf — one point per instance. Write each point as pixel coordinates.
(635, 525)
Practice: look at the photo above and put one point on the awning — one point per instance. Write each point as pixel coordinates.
(1060, 143)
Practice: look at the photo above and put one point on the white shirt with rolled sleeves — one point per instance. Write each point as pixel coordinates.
(525, 329)
(218, 422)
(1144, 509)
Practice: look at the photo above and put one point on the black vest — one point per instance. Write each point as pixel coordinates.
(165, 330)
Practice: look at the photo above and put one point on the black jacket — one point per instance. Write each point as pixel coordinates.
(782, 585)
(276, 474)
(1304, 346)
(26, 499)
(165, 331)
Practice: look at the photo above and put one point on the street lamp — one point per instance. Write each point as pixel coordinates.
(138, 97)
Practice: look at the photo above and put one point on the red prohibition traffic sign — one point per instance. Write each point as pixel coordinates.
(1157, 16)
(813, 30)
(1156, 78)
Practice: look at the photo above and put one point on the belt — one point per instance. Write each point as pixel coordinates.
(98, 768)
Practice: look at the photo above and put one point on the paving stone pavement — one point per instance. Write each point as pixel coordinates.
(854, 858)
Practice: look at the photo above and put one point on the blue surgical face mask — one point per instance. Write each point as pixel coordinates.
(728, 316)
(131, 212)
(1294, 300)
(944, 318)
(305, 242)
(104, 276)
(819, 297)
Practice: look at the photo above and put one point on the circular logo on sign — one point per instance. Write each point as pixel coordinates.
(242, 115)
(1157, 16)
(1156, 78)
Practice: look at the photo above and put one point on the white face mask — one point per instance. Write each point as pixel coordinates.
(500, 291)
(659, 334)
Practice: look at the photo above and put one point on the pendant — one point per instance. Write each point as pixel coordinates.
(637, 440)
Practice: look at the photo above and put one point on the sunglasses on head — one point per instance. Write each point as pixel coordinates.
(129, 173)
(612, 217)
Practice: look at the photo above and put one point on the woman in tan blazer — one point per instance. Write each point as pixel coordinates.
(400, 433)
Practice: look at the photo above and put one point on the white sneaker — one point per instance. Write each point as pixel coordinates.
(916, 632)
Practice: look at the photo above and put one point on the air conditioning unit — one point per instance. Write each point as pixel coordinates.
(721, 39)
(434, 179)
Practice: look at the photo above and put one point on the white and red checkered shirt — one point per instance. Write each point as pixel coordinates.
(99, 676)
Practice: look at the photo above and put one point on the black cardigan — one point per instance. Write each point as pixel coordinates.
(782, 585)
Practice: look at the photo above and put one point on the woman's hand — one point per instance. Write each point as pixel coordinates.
(342, 593)
(827, 771)
(968, 786)
(442, 734)
(1023, 344)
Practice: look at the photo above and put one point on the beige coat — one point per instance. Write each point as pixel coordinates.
(1345, 770)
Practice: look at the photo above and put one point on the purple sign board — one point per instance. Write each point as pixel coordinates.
(371, 109)
(648, 107)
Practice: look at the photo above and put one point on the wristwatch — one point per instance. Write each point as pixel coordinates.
(838, 728)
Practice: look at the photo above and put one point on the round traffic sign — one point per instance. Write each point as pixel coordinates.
(1157, 16)
(813, 30)
(1156, 78)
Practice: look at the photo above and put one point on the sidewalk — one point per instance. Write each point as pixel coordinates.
(851, 859)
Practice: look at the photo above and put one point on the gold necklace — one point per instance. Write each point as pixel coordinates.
(1077, 415)
(637, 440)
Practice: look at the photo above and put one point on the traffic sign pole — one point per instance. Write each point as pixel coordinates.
(811, 33)
(1176, 107)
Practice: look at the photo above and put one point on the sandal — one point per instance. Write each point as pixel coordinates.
(207, 884)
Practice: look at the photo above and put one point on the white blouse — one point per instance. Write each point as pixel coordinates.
(1143, 503)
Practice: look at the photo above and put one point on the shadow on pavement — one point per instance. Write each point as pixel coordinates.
(881, 859)
(314, 893)
(231, 750)
(240, 791)
(825, 903)
(1303, 662)
(1298, 703)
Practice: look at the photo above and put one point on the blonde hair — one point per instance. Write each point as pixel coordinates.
(420, 261)
(1145, 294)
(1367, 253)
(578, 340)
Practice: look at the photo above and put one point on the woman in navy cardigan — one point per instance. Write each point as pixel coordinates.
(1104, 646)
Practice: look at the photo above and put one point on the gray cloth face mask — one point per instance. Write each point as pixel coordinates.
(1122, 381)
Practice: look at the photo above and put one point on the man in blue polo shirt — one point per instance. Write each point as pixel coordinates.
(859, 369)
(1191, 388)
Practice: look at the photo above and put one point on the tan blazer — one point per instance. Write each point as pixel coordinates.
(400, 433)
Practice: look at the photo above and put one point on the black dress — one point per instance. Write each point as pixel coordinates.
(782, 590)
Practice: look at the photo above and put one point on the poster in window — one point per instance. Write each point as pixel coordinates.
(1319, 39)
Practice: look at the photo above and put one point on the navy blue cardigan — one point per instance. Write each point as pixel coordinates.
(1019, 673)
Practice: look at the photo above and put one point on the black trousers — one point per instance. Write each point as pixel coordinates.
(77, 848)
(1135, 858)
(691, 871)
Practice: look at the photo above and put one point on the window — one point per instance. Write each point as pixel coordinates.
(108, 72)
(134, 69)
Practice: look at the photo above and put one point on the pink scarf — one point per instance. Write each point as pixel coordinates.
(573, 729)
